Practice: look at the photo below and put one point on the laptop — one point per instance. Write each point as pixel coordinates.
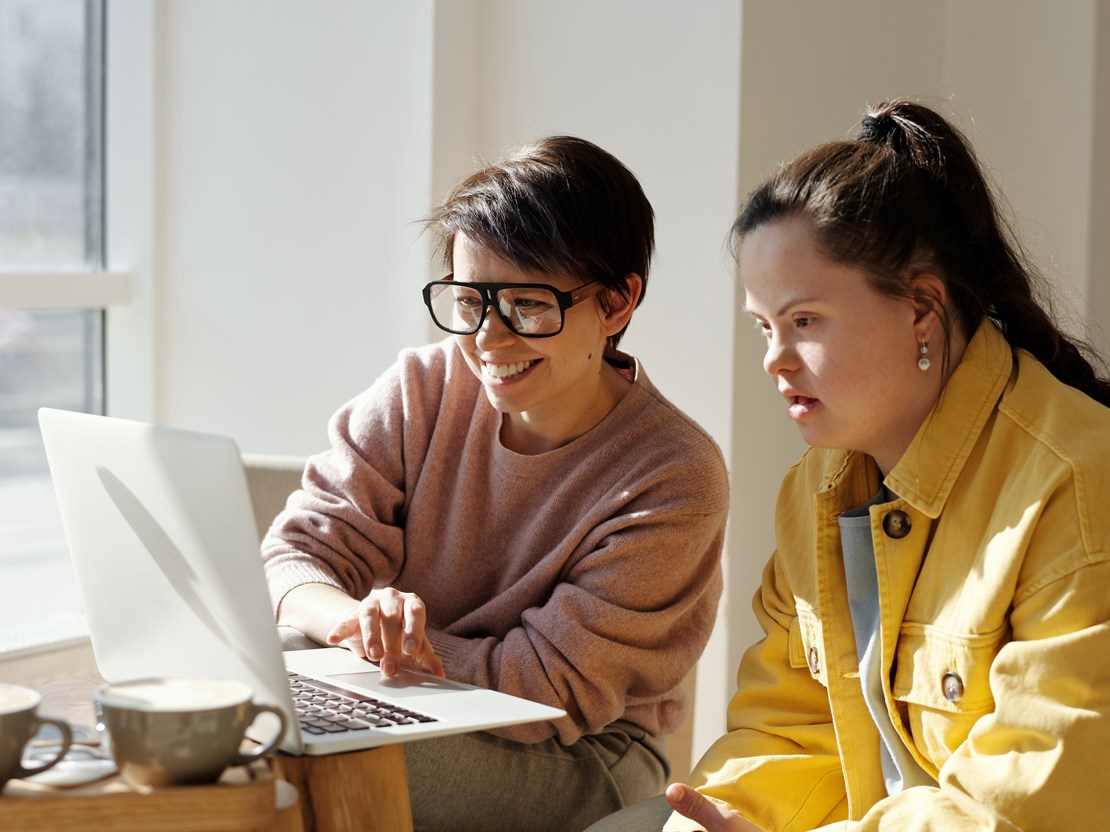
(162, 536)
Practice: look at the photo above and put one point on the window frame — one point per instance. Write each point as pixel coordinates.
(93, 290)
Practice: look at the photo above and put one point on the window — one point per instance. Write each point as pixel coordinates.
(51, 232)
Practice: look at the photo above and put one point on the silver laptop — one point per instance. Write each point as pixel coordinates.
(162, 536)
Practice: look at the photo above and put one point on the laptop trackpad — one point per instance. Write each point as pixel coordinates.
(400, 686)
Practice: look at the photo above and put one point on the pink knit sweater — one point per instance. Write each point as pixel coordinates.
(586, 577)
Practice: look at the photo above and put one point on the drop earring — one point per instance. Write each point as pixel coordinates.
(924, 363)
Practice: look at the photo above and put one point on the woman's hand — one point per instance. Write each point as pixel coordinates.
(387, 627)
(713, 817)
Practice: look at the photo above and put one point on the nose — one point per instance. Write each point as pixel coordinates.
(780, 356)
(493, 331)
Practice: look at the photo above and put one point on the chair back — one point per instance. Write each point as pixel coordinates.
(271, 478)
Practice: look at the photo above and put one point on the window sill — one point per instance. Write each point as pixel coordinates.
(39, 664)
(64, 290)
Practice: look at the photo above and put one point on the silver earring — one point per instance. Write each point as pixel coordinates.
(924, 363)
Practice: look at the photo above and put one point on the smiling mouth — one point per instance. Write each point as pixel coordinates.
(504, 371)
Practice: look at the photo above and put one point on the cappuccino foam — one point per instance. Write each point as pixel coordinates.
(174, 694)
(17, 698)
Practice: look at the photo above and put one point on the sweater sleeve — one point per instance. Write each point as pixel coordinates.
(344, 527)
(627, 621)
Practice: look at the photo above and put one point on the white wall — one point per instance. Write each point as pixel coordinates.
(132, 220)
(276, 155)
(1022, 79)
(1098, 289)
(295, 141)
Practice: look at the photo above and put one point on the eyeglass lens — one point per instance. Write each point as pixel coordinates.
(529, 311)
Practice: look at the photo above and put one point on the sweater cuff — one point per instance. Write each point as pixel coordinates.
(284, 580)
(449, 648)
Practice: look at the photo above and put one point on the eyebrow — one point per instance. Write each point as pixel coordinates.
(786, 307)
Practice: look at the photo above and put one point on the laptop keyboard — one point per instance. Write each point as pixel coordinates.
(326, 709)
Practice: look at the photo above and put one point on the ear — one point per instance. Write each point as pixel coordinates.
(930, 297)
(620, 308)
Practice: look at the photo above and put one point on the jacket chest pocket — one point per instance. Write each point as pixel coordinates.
(805, 646)
(941, 683)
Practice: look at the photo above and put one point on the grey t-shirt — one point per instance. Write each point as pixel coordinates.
(900, 769)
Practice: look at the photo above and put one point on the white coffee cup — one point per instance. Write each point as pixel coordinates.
(19, 722)
(173, 731)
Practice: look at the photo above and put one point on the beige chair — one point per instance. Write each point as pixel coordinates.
(272, 479)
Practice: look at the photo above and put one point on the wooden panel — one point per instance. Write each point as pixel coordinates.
(244, 799)
(364, 790)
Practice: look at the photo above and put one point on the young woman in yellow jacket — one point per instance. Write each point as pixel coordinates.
(937, 610)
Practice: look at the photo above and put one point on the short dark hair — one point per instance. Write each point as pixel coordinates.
(559, 205)
(908, 196)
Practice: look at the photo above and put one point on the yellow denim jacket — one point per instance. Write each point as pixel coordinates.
(994, 585)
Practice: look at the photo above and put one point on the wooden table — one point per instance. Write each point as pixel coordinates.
(364, 790)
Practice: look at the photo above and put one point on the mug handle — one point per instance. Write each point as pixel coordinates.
(268, 746)
(67, 741)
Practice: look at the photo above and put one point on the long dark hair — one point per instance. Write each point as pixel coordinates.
(559, 205)
(906, 197)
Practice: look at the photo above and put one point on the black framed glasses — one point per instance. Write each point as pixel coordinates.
(530, 310)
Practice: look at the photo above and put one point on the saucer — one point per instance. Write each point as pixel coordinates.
(81, 765)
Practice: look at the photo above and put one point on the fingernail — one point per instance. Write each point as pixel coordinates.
(375, 653)
(409, 646)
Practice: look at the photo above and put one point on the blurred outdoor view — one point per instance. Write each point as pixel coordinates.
(51, 219)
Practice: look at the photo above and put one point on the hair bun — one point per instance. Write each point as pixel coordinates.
(876, 128)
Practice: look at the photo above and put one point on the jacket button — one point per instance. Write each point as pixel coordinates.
(896, 524)
(952, 685)
(814, 665)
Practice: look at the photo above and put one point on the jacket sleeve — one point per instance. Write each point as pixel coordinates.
(1038, 760)
(778, 763)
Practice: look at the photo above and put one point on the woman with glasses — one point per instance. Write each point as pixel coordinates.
(518, 507)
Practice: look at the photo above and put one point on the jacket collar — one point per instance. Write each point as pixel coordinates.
(925, 474)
